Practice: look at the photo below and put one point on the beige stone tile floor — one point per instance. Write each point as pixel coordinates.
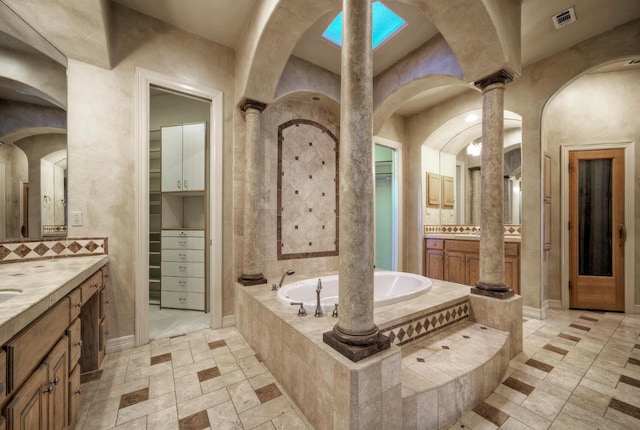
(578, 370)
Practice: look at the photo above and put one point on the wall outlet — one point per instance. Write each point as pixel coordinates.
(76, 218)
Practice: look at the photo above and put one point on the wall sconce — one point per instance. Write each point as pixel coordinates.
(474, 148)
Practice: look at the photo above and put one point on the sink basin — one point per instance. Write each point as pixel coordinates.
(8, 294)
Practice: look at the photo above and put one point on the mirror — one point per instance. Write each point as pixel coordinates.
(452, 155)
(33, 141)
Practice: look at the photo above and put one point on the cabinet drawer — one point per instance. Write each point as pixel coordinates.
(75, 342)
(187, 255)
(435, 244)
(172, 299)
(172, 242)
(91, 286)
(3, 377)
(193, 270)
(28, 349)
(74, 395)
(182, 233)
(462, 245)
(76, 303)
(191, 285)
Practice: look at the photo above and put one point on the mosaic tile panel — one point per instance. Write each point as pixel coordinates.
(422, 325)
(307, 190)
(509, 229)
(11, 252)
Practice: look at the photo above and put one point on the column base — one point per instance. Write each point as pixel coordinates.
(356, 352)
(256, 279)
(498, 291)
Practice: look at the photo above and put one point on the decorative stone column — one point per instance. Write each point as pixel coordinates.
(355, 335)
(492, 278)
(251, 270)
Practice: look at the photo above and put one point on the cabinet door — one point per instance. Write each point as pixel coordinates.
(193, 157)
(74, 395)
(473, 269)
(512, 273)
(57, 363)
(29, 408)
(172, 158)
(455, 267)
(435, 264)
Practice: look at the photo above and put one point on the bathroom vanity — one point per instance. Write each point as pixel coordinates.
(51, 329)
(456, 258)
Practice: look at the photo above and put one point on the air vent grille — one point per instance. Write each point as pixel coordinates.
(563, 18)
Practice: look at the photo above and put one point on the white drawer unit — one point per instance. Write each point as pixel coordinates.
(183, 269)
(177, 300)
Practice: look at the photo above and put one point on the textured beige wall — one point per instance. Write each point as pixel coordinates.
(270, 119)
(597, 108)
(102, 142)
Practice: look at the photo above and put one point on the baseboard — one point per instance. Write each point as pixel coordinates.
(636, 309)
(121, 343)
(228, 321)
(529, 312)
(552, 304)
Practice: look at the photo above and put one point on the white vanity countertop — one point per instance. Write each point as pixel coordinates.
(466, 237)
(43, 283)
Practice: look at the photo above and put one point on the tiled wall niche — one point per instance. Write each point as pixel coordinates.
(299, 230)
(307, 190)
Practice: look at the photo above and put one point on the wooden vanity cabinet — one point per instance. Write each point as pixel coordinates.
(41, 403)
(459, 261)
(434, 258)
(44, 361)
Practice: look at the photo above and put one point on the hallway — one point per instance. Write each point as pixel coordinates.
(578, 370)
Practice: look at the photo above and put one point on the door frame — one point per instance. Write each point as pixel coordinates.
(396, 193)
(629, 248)
(144, 79)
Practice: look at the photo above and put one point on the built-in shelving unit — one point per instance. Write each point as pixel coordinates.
(155, 216)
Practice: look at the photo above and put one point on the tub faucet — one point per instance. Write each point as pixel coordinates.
(318, 307)
(275, 287)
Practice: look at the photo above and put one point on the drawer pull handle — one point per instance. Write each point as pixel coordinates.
(55, 381)
(79, 343)
(48, 390)
(95, 285)
(79, 304)
(182, 255)
(78, 391)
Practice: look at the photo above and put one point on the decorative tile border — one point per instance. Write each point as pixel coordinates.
(12, 252)
(509, 229)
(421, 325)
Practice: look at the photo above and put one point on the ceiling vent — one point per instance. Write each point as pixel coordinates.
(632, 63)
(563, 18)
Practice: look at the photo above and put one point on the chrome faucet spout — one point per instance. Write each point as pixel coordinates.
(318, 307)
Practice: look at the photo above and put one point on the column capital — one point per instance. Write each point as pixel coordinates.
(252, 104)
(499, 77)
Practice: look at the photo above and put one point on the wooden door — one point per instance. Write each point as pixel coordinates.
(455, 267)
(58, 375)
(29, 408)
(435, 264)
(473, 269)
(596, 229)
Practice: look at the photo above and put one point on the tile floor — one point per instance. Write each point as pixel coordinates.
(170, 322)
(578, 370)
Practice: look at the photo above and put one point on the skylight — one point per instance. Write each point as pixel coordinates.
(385, 23)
